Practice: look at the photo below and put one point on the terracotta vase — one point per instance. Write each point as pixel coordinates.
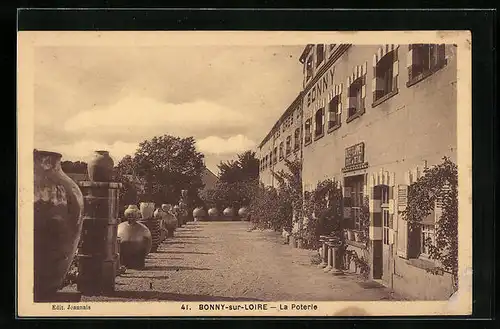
(100, 168)
(228, 212)
(58, 221)
(166, 207)
(135, 243)
(213, 212)
(147, 209)
(132, 212)
(154, 226)
(199, 213)
(243, 213)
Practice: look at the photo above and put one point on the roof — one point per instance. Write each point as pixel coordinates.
(288, 111)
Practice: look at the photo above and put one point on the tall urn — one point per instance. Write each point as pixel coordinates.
(58, 221)
(135, 240)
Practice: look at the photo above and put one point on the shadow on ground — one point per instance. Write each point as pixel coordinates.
(159, 295)
(175, 268)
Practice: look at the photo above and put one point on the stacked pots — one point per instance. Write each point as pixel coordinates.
(58, 207)
(170, 219)
(153, 224)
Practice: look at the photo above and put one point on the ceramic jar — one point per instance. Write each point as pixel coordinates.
(228, 212)
(199, 213)
(147, 209)
(243, 213)
(213, 212)
(58, 221)
(135, 243)
(100, 168)
(132, 212)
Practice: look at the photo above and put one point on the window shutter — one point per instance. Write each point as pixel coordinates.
(395, 69)
(409, 62)
(402, 237)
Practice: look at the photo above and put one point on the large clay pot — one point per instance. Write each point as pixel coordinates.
(154, 226)
(100, 168)
(132, 212)
(213, 212)
(147, 209)
(58, 221)
(166, 207)
(199, 213)
(135, 243)
(229, 213)
(243, 213)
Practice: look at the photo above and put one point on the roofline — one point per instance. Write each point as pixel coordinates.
(286, 113)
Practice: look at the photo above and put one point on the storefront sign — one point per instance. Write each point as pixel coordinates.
(324, 83)
(402, 197)
(355, 157)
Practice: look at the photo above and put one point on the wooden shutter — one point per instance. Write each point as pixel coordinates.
(395, 69)
(402, 237)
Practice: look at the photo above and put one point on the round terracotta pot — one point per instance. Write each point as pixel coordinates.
(135, 243)
(154, 226)
(243, 212)
(58, 221)
(132, 212)
(213, 212)
(199, 213)
(147, 209)
(166, 207)
(100, 168)
(228, 212)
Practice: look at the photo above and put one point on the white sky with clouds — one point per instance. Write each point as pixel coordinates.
(112, 98)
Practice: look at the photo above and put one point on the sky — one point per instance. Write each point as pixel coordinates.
(95, 97)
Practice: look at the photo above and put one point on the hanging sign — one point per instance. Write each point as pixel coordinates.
(402, 197)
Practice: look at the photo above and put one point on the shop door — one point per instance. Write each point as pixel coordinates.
(386, 230)
(355, 185)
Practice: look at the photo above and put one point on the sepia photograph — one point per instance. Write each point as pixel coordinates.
(244, 173)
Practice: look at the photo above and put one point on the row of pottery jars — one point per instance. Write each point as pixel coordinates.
(135, 239)
(58, 220)
(170, 219)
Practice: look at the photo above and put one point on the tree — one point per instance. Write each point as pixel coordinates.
(245, 168)
(77, 167)
(167, 164)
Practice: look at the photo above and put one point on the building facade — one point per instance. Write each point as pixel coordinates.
(284, 141)
(373, 117)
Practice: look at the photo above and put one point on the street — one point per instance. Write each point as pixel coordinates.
(224, 261)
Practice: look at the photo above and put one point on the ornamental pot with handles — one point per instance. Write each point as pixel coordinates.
(147, 209)
(58, 220)
(135, 243)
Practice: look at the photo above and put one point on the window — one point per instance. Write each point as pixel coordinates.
(386, 220)
(281, 151)
(356, 99)
(424, 60)
(319, 120)
(288, 145)
(354, 185)
(309, 68)
(307, 134)
(275, 155)
(296, 138)
(334, 112)
(384, 76)
(320, 54)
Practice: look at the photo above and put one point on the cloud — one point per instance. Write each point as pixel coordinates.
(144, 116)
(83, 150)
(218, 145)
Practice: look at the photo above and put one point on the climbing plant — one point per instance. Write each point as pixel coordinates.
(438, 184)
(290, 190)
(323, 210)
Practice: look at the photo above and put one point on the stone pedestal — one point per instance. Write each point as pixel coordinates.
(329, 265)
(324, 252)
(337, 260)
(98, 254)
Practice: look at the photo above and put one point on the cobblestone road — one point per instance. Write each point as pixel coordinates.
(224, 261)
